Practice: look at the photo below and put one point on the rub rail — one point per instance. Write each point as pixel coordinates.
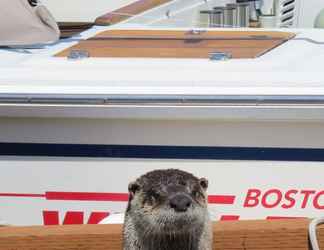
(209, 100)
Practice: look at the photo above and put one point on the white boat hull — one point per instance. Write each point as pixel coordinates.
(73, 133)
(74, 171)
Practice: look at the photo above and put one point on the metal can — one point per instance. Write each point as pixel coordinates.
(205, 18)
(243, 14)
(230, 15)
(218, 17)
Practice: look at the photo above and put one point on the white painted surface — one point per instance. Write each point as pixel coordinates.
(291, 69)
(117, 218)
(308, 12)
(82, 10)
(193, 132)
(112, 176)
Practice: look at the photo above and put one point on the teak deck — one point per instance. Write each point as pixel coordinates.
(179, 44)
(69, 29)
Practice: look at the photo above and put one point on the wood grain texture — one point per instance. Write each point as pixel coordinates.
(179, 44)
(235, 235)
(188, 33)
(128, 11)
(69, 29)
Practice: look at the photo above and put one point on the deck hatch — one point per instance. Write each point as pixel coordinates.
(179, 44)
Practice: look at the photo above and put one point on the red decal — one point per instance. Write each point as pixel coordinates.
(50, 218)
(283, 217)
(286, 199)
(306, 194)
(73, 218)
(221, 199)
(115, 197)
(96, 217)
(252, 198)
(229, 217)
(274, 193)
(315, 201)
(289, 196)
(22, 195)
(82, 196)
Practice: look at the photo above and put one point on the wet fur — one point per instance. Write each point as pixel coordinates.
(151, 225)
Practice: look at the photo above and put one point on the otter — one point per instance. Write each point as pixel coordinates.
(167, 210)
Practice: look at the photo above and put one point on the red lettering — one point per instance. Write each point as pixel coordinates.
(252, 198)
(72, 218)
(96, 217)
(50, 218)
(278, 197)
(306, 194)
(275, 198)
(315, 201)
(291, 201)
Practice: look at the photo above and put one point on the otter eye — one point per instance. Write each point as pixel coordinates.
(155, 195)
(203, 183)
(133, 187)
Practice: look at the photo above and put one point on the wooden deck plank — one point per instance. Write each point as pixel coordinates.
(186, 33)
(229, 235)
(179, 44)
(170, 52)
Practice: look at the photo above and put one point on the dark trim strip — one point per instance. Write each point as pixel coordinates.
(162, 152)
(102, 99)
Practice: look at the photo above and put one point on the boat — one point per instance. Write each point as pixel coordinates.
(157, 88)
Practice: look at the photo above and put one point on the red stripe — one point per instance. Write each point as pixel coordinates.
(121, 197)
(283, 217)
(78, 196)
(229, 217)
(221, 199)
(82, 196)
(22, 195)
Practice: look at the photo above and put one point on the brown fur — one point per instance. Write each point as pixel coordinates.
(151, 223)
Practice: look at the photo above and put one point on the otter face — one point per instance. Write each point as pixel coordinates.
(168, 200)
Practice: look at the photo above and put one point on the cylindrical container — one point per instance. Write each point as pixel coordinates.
(230, 15)
(253, 12)
(243, 14)
(218, 17)
(319, 21)
(268, 21)
(205, 18)
(268, 8)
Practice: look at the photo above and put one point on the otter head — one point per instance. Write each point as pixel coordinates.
(168, 202)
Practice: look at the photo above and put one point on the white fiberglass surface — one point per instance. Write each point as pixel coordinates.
(292, 68)
(82, 10)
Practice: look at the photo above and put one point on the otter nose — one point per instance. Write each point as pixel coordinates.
(180, 203)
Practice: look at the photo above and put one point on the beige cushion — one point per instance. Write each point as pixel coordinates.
(21, 23)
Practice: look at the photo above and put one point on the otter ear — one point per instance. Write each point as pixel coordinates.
(133, 187)
(203, 183)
